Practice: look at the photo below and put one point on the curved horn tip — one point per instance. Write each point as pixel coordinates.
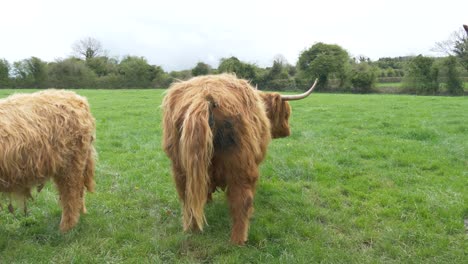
(300, 96)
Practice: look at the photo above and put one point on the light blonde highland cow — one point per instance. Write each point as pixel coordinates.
(48, 135)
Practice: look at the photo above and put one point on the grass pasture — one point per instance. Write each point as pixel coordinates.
(362, 179)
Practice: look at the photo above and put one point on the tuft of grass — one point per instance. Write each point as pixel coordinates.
(363, 178)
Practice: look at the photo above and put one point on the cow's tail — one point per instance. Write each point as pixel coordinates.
(89, 170)
(196, 150)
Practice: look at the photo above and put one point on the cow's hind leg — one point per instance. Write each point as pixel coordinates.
(83, 205)
(88, 177)
(71, 190)
(241, 196)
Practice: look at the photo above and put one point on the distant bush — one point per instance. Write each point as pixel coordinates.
(241, 69)
(30, 73)
(4, 73)
(102, 65)
(454, 81)
(136, 72)
(201, 69)
(277, 77)
(280, 85)
(421, 76)
(180, 75)
(71, 73)
(325, 62)
(162, 80)
(363, 77)
(389, 80)
(111, 81)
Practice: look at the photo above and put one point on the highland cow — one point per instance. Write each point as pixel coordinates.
(48, 134)
(216, 132)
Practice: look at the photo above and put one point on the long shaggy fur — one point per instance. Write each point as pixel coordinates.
(216, 132)
(48, 134)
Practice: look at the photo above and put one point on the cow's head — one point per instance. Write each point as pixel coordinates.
(279, 111)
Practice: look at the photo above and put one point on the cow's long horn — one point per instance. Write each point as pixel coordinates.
(299, 96)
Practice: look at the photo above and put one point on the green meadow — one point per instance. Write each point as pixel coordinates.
(362, 179)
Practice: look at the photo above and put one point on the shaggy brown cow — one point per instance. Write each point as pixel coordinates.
(216, 132)
(48, 134)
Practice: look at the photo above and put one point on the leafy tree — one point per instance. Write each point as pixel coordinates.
(291, 69)
(461, 51)
(391, 72)
(241, 69)
(30, 73)
(277, 70)
(110, 81)
(454, 82)
(4, 73)
(87, 48)
(71, 73)
(363, 77)
(249, 72)
(201, 69)
(421, 76)
(180, 75)
(136, 72)
(232, 65)
(277, 76)
(102, 65)
(322, 61)
(456, 45)
(38, 70)
(392, 63)
(161, 79)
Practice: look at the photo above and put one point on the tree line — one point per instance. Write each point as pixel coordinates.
(335, 69)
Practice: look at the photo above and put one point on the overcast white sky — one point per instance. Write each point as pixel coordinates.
(176, 34)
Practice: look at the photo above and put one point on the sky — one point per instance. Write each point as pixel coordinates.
(177, 34)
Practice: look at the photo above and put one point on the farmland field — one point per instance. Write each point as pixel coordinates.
(362, 179)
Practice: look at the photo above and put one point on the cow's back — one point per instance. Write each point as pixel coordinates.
(39, 135)
(237, 114)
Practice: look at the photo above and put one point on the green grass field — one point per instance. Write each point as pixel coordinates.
(362, 179)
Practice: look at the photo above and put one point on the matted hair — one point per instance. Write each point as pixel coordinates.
(43, 135)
